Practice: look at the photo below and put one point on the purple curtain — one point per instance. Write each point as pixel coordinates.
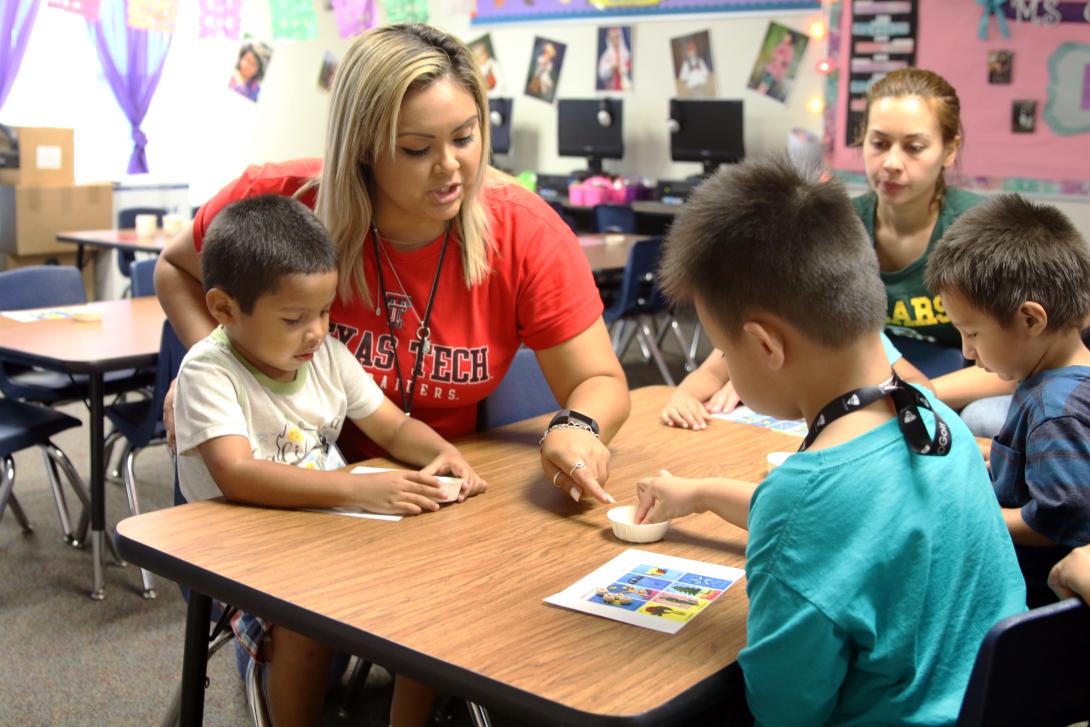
(16, 20)
(133, 61)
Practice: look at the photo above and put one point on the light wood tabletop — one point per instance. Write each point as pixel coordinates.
(455, 597)
(125, 239)
(125, 336)
(607, 251)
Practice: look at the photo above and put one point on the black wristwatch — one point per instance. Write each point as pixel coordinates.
(566, 416)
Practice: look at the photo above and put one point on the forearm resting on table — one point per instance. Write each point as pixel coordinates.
(271, 484)
(708, 378)
(727, 498)
(964, 386)
(406, 439)
(1021, 532)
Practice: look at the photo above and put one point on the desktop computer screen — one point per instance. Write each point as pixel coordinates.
(580, 132)
(499, 116)
(707, 131)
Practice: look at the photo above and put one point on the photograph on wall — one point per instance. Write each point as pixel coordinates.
(694, 74)
(546, 60)
(325, 73)
(615, 58)
(778, 61)
(253, 61)
(1023, 117)
(1000, 66)
(488, 63)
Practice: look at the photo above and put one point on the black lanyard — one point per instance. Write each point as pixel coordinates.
(907, 400)
(423, 332)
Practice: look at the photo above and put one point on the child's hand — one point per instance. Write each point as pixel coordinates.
(723, 401)
(683, 410)
(985, 445)
(1071, 576)
(453, 463)
(397, 492)
(665, 497)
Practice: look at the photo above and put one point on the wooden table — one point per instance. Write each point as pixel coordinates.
(127, 337)
(603, 256)
(455, 597)
(126, 240)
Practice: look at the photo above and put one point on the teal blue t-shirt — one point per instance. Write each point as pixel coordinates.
(873, 574)
(912, 310)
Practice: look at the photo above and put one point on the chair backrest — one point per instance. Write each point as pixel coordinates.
(639, 290)
(1032, 669)
(523, 393)
(143, 278)
(41, 286)
(614, 218)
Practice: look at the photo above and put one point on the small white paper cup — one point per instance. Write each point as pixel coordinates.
(623, 527)
(173, 224)
(775, 459)
(451, 486)
(146, 225)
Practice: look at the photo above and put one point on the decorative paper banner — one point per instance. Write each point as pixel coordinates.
(86, 8)
(157, 16)
(1070, 11)
(354, 16)
(510, 11)
(407, 11)
(220, 19)
(293, 19)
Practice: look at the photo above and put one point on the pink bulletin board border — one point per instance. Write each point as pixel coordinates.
(947, 42)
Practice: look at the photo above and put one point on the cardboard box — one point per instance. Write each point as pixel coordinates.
(45, 157)
(11, 262)
(31, 216)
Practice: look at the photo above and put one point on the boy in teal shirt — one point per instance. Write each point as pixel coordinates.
(877, 555)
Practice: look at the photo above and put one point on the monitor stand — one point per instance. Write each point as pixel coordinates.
(594, 169)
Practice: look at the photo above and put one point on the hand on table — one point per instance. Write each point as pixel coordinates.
(577, 462)
(665, 497)
(723, 401)
(397, 492)
(685, 411)
(453, 463)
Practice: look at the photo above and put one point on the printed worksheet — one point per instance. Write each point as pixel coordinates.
(745, 415)
(655, 591)
(46, 314)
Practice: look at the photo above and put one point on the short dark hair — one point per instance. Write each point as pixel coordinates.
(765, 235)
(1008, 250)
(254, 242)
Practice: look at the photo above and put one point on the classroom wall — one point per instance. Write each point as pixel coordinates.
(202, 133)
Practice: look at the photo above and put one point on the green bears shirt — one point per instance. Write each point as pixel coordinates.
(912, 310)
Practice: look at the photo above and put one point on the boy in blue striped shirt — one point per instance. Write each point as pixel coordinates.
(1015, 279)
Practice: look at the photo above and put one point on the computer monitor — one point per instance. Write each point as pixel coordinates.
(499, 116)
(706, 131)
(580, 131)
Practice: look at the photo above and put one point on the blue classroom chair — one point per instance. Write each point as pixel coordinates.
(614, 218)
(143, 278)
(632, 314)
(126, 220)
(523, 393)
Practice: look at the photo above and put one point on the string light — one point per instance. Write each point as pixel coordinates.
(815, 105)
(825, 66)
(817, 30)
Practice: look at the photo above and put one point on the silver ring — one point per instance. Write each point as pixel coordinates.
(558, 473)
(574, 467)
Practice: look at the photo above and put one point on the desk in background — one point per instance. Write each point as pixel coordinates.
(607, 257)
(454, 597)
(126, 337)
(125, 240)
(652, 217)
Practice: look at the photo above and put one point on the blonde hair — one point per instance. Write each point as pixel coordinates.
(378, 70)
(934, 89)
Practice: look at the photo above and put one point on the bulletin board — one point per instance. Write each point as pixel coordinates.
(1006, 147)
(521, 11)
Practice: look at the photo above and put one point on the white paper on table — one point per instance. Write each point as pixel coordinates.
(29, 316)
(667, 581)
(745, 415)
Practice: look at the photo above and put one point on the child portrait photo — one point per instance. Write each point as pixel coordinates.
(250, 67)
(778, 62)
(1000, 66)
(614, 58)
(546, 60)
(326, 71)
(487, 62)
(694, 74)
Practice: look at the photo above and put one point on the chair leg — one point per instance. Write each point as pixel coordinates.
(478, 715)
(59, 458)
(645, 334)
(697, 329)
(112, 475)
(7, 484)
(20, 515)
(356, 680)
(58, 495)
(615, 332)
(626, 339)
(687, 349)
(174, 710)
(129, 470)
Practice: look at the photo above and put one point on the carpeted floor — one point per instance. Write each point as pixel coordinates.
(67, 660)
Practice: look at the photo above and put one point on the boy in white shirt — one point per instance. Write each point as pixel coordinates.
(269, 388)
